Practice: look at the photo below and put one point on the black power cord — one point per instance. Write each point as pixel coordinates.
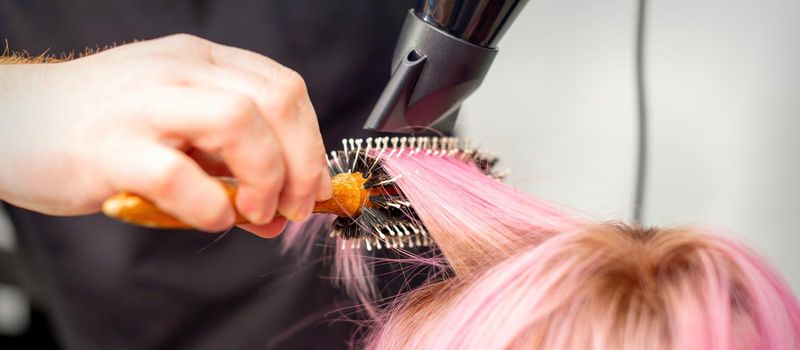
(641, 167)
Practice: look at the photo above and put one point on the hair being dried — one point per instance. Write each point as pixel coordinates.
(525, 274)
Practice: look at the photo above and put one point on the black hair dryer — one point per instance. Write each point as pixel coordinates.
(444, 51)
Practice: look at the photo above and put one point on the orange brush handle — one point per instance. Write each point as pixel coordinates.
(349, 196)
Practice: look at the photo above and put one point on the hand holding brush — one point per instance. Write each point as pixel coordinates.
(368, 203)
(140, 117)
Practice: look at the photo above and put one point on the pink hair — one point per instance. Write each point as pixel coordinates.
(527, 275)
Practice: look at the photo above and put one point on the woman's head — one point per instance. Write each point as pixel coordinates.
(604, 286)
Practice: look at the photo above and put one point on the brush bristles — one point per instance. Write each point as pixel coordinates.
(389, 221)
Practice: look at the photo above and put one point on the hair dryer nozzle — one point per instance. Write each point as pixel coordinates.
(433, 73)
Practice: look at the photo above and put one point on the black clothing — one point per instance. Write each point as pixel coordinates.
(112, 286)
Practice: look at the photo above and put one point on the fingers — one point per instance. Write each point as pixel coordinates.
(174, 183)
(231, 125)
(284, 104)
(279, 97)
(283, 97)
(307, 173)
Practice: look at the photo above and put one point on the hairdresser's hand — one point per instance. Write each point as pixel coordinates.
(74, 133)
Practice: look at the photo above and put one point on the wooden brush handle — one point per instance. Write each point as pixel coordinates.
(349, 196)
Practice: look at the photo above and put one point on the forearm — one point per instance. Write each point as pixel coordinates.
(22, 96)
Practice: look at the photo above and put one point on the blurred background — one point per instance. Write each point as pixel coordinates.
(722, 88)
(722, 81)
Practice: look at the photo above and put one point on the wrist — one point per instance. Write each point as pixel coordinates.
(23, 117)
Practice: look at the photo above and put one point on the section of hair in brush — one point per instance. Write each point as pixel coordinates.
(388, 219)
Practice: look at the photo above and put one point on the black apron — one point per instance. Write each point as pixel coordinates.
(107, 285)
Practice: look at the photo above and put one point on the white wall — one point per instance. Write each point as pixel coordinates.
(558, 104)
(724, 98)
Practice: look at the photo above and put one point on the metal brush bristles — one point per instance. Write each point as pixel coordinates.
(389, 219)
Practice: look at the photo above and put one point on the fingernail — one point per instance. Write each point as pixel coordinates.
(325, 190)
(227, 220)
(256, 216)
(304, 212)
(252, 209)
